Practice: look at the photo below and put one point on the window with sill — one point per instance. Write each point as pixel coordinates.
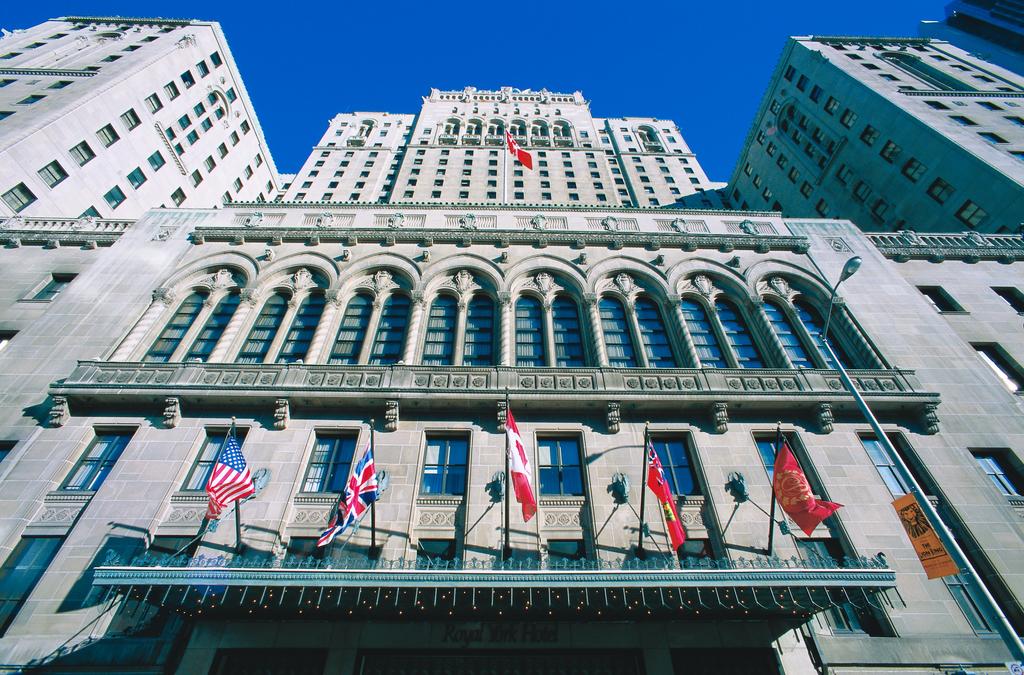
(444, 465)
(53, 287)
(264, 330)
(213, 443)
(174, 331)
(560, 467)
(98, 459)
(675, 454)
(330, 462)
(300, 335)
(214, 328)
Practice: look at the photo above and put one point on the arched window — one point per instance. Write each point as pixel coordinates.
(479, 344)
(387, 346)
(565, 320)
(789, 338)
(214, 328)
(172, 334)
(617, 339)
(263, 331)
(529, 333)
(738, 336)
(561, 129)
(474, 127)
(452, 127)
(539, 128)
(365, 128)
(709, 352)
(653, 334)
(439, 343)
(517, 128)
(811, 320)
(296, 343)
(496, 128)
(649, 138)
(352, 333)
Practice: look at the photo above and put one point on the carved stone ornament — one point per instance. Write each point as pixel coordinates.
(910, 237)
(625, 283)
(325, 219)
(282, 414)
(538, 222)
(302, 279)
(59, 412)
(383, 281)
(930, 418)
(502, 416)
(463, 281)
(976, 239)
(164, 296)
(720, 416)
(703, 284)
(468, 222)
(780, 286)
(545, 283)
(396, 219)
(678, 224)
(825, 417)
(186, 41)
(220, 279)
(172, 412)
(391, 415)
(610, 223)
(268, 254)
(254, 220)
(249, 296)
(748, 227)
(614, 416)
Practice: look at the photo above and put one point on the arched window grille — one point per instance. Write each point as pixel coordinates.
(170, 337)
(709, 351)
(296, 343)
(787, 335)
(214, 328)
(653, 334)
(394, 317)
(529, 333)
(439, 342)
(738, 335)
(811, 320)
(621, 353)
(365, 128)
(479, 343)
(352, 333)
(565, 320)
(264, 330)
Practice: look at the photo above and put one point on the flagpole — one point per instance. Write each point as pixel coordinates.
(238, 504)
(504, 167)
(771, 511)
(506, 552)
(373, 504)
(640, 553)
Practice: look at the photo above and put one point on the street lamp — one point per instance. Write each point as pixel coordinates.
(987, 603)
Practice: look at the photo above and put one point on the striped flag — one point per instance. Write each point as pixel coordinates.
(230, 480)
(519, 466)
(360, 493)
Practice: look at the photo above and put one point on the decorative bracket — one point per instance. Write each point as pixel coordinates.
(282, 414)
(825, 417)
(614, 415)
(391, 415)
(502, 416)
(930, 418)
(59, 412)
(172, 412)
(720, 416)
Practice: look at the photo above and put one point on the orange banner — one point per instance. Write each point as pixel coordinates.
(933, 555)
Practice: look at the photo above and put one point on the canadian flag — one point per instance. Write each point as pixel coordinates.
(519, 467)
(525, 158)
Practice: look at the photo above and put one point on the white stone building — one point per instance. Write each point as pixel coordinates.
(890, 133)
(109, 117)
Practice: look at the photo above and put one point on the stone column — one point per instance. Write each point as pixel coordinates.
(197, 325)
(687, 342)
(412, 335)
(323, 328)
(594, 316)
(371, 328)
(162, 299)
(638, 337)
(285, 326)
(460, 331)
(549, 333)
(249, 300)
(506, 328)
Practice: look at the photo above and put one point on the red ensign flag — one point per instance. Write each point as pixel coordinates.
(661, 489)
(525, 158)
(794, 492)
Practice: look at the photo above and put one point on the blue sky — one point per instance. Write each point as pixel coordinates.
(704, 65)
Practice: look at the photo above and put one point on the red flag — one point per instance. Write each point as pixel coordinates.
(525, 158)
(794, 492)
(663, 491)
(519, 466)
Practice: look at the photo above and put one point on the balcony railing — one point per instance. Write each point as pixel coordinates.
(447, 139)
(563, 142)
(356, 142)
(599, 588)
(471, 139)
(494, 139)
(540, 141)
(968, 246)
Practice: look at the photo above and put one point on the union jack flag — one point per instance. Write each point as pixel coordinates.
(230, 479)
(360, 493)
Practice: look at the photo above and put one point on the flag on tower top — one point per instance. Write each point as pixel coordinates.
(525, 158)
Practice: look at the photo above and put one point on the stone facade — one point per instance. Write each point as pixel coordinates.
(893, 134)
(97, 359)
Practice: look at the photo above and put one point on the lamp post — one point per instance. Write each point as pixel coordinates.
(986, 603)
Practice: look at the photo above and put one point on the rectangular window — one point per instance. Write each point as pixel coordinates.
(154, 103)
(192, 137)
(431, 551)
(444, 466)
(940, 190)
(114, 197)
(136, 178)
(997, 466)
(940, 299)
(958, 589)
(18, 197)
(21, 572)
(156, 160)
(203, 69)
(964, 121)
(330, 463)
(674, 455)
(845, 617)
(1006, 370)
(212, 444)
(29, 100)
(1013, 296)
(869, 135)
(188, 79)
(560, 466)
(884, 465)
(82, 153)
(914, 169)
(971, 214)
(130, 119)
(890, 151)
(178, 196)
(992, 138)
(171, 89)
(848, 118)
(108, 136)
(98, 460)
(560, 550)
(53, 173)
(53, 287)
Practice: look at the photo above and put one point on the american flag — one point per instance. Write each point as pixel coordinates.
(360, 493)
(230, 479)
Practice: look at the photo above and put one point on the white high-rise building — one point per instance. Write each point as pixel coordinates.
(109, 117)
(453, 151)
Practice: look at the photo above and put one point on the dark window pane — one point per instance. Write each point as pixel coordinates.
(264, 330)
(352, 332)
(172, 334)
